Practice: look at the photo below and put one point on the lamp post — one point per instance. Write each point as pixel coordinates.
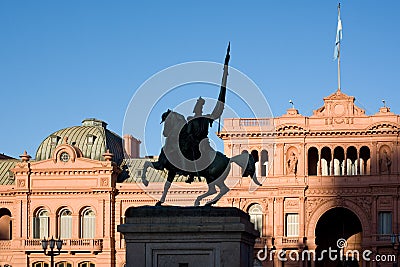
(52, 245)
(395, 240)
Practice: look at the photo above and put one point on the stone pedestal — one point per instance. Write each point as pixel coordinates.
(188, 237)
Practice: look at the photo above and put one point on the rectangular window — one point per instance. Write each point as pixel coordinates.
(292, 224)
(40, 227)
(385, 223)
(88, 227)
(65, 227)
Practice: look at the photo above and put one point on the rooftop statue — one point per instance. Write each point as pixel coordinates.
(187, 150)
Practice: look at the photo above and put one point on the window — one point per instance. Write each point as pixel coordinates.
(88, 223)
(5, 224)
(54, 140)
(385, 223)
(313, 161)
(90, 139)
(63, 264)
(40, 264)
(255, 212)
(86, 264)
(65, 224)
(41, 224)
(64, 157)
(11, 175)
(264, 163)
(292, 224)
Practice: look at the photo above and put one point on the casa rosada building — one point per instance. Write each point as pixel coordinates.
(330, 176)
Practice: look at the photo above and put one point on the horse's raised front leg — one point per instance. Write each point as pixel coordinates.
(223, 189)
(167, 185)
(211, 191)
(146, 165)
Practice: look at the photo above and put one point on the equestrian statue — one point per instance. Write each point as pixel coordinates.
(187, 149)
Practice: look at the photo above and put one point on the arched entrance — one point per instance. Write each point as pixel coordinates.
(336, 224)
(5, 224)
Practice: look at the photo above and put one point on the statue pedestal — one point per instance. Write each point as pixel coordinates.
(188, 237)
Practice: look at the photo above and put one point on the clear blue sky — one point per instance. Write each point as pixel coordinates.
(63, 61)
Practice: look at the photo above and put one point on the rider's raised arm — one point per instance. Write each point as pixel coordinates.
(219, 107)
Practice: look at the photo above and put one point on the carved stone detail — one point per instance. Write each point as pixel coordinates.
(104, 181)
(312, 204)
(292, 204)
(365, 203)
(21, 183)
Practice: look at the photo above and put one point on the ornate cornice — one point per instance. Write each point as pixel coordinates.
(379, 131)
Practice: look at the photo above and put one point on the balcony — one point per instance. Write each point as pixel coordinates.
(352, 180)
(290, 240)
(71, 245)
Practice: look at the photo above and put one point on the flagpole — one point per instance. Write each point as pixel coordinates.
(338, 54)
(338, 67)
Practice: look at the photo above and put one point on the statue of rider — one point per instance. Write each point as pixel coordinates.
(198, 125)
(196, 129)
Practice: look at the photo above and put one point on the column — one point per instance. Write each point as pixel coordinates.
(345, 163)
(279, 163)
(279, 217)
(270, 223)
(319, 165)
(53, 217)
(374, 158)
(302, 217)
(374, 216)
(76, 226)
(395, 214)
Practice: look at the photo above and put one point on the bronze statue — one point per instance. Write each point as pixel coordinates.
(187, 150)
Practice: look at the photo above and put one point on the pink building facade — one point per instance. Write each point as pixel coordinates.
(332, 175)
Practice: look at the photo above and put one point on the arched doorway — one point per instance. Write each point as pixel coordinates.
(5, 224)
(335, 224)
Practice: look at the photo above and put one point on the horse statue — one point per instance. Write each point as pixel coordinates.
(215, 174)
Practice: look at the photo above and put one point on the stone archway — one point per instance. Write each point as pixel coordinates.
(338, 229)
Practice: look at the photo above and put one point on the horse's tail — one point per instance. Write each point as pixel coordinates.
(248, 165)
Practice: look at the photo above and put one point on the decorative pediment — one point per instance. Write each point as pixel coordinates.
(339, 105)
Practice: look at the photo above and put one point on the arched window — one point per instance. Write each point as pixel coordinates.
(65, 223)
(41, 224)
(312, 161)
(5, 224)
(88, 223)
(256, 157)
(338, 161)
(351, 162)
(365, 160)
(264, 163)
(256, 217)
(326, 160)
(86, 264)
(63, 264)
(40, 264)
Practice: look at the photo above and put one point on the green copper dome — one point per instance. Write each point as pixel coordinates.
(92, 138)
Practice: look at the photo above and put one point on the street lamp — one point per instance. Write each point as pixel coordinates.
(52, 244)
(394, 244)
